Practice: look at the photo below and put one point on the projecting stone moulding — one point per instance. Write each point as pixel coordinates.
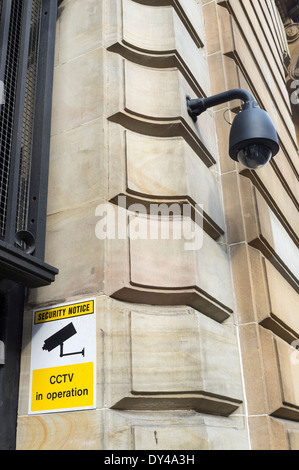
(160, 37)
(265, 232)
(269, 357)
(162, 170)
(274, 303)
(155, 261)
(153, 102)
(157, 361)
(189, 12)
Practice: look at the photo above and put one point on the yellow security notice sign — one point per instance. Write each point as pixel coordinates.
(64, 312)
(63, 358)
(63, 388)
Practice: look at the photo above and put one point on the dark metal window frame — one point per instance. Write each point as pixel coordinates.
(22, 252)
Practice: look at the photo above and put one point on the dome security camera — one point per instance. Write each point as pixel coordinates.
(253, 139)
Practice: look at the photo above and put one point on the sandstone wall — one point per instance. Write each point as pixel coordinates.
(194, 346)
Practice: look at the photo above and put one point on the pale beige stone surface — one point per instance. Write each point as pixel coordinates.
(113, 430)
(293, 435)
(78, 97)
(131, 88)
(156, 360)
(182, 437)
(63, 431)
(80, 29)
(164, 32)
(283, 203)
(274, 303)
(288, 363)
(172, 324)
(168, 356)
(78, 167)
(153, 167)
(169, 269)
(268, 434)
(249, 218)
(268, 231)
(284, 302)
(176, 431)
(245, 51)
(79, 261)
(271, 371)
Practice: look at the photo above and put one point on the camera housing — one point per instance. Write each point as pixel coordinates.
(253, 139)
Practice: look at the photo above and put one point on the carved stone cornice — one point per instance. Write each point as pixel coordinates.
(292, 32)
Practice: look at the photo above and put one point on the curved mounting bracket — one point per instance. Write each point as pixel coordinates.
(198, 106)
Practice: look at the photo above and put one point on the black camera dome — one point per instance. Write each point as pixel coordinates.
(253, 138)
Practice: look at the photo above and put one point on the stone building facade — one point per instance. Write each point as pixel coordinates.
(195, 345)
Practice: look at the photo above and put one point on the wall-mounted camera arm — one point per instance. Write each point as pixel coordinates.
(198, 106)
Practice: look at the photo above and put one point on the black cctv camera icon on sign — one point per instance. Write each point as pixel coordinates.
(59, 338)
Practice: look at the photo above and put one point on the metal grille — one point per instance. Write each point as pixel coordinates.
(7, 110)
(27, 48)
(29, 107)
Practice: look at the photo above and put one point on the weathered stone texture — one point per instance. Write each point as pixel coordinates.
(261, 210)
(186, 335)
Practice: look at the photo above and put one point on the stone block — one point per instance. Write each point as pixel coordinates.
(293, 435)
(174, 431)
(160, 37)
(265, 232)
(179, 359)
(80, 28)
(281, 196)
(235, 232)
(286, 400)
(270, 372)
(77, 96)
(268, 433)
(78, 169)
(63, 431)
(131, 88)
(284, 305)
(150, 169)
(273, 302)
(157, 262)
(190, 14)
(80, 262)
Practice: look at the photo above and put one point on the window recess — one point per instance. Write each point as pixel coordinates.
(27, 46)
